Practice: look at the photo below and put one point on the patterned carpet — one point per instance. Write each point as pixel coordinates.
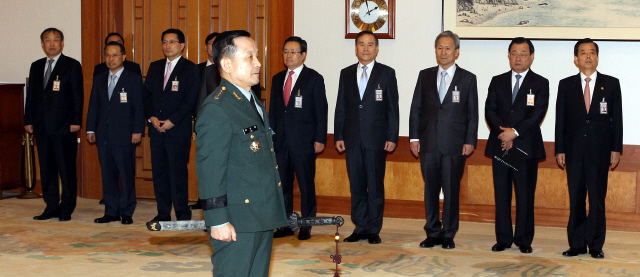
(83, 248)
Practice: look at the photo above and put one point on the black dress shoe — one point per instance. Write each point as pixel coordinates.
(374, 239)
(283, 232)
(574, 252)
(126, 220)
(498, 247)
(106, 219)
(596, 254)
(304, 234)
(64, 217)
(161, 218)
(525, 248)
(356, 237)
(430, 242)
(447, 243)
(46, 215)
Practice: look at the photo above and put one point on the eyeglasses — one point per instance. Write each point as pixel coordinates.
(164, 42)
(522, 55)
(292, 52)
(108, 56)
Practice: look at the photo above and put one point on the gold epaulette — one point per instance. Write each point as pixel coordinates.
(219, 92)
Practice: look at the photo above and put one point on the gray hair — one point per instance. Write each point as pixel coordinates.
(448, 34)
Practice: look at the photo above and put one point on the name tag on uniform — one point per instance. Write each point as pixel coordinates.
(531, 99)
(174, 84)
(378, 93)
(455, 95)
(123, 96)
(603, 107)
(56, 84)
(250, 129)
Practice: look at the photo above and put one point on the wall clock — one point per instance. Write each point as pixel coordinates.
(377, 16)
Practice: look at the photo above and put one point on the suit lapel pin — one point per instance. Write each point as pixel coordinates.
(234, 93)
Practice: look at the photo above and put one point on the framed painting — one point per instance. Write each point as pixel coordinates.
(542, 19)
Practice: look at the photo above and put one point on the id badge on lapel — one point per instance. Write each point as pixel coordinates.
(603, 107)
(175, 84)
(455, 95)
(298, 103)
(123, 96)
(56, 84)
(531, 99)
(378, 93)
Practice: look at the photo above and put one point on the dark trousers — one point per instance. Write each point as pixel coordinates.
(524, 183)
(169, 158)
(57, 157)
(249, 255)
(366, 169)
(118, 165)
(586, 176)
(304, 167)
(442, 172)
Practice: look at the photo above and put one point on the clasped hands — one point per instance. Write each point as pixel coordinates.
(507, 136)
(161, 125)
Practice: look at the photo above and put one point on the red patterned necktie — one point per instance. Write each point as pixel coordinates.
(287, 88)
(587, 94)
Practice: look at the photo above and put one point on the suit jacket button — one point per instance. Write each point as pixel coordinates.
(271, 149)
(276, 166)
(587, 120)
(279, 183)
(246, 201)
(360, 106)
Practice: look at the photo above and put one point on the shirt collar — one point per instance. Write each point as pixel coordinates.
(369, 66)
(296, 71)
(117, 73)
(513, 73)
(55, 59)
(174, 61)
(209, 62)
(450, 71)
(593, 76)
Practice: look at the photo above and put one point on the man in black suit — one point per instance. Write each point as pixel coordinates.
(516, 105)
(116, 122)
(366, 127)
(208, 42)
(443, 130)
(298, 116)
(53, 113)
(588, 143)
(129, 66)
(170, 92)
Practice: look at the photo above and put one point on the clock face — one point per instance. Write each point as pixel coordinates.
(369, 15)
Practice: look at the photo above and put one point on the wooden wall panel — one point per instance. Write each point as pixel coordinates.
(279, 19)
(621, 193)
(552, 190)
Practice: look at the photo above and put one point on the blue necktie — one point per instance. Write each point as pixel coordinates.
(442, 91)
(516, 88)
(112, 85)
(363, 81)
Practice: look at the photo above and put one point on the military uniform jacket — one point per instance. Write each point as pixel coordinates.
(228, 168)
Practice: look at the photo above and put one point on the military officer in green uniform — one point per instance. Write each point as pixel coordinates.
(237, 172)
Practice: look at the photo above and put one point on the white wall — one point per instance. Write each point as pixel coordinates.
(418, 22)
(21, 23)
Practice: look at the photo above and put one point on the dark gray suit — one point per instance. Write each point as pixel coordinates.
(365, 126)
(443, 129)
(114, 121)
